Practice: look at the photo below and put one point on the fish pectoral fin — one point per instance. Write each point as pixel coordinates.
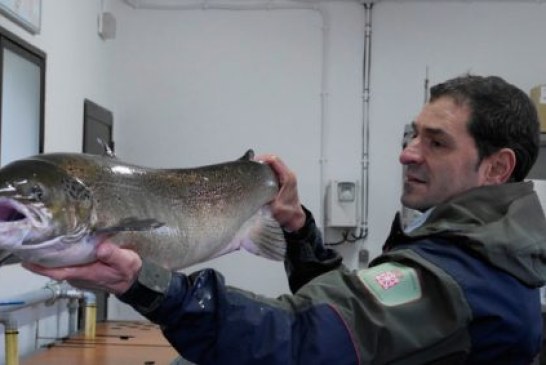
(265, 237)
(131, 224)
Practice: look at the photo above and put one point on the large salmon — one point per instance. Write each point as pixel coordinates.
(55, 208)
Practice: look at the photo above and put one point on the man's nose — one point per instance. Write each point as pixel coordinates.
(412, 154)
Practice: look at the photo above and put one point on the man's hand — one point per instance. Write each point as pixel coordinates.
(115, 270)
(286, 206)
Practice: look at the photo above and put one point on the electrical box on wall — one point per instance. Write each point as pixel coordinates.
(342, 204)
(107, 26)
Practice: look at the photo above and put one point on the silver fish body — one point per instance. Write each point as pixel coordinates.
(55, 208)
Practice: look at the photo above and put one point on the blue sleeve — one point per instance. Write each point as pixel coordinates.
(210, 323)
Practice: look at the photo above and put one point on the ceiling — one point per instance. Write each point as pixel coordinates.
(179, 4)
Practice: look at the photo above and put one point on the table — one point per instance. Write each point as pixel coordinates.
(116, 343)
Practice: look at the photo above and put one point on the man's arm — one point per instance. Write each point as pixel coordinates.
(341, 317)
(210, 323)
(306, 256)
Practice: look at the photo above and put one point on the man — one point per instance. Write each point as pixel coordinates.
(461, 287)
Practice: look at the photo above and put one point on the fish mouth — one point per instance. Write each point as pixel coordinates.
(13, 211)
(20, 224)
(9, 213)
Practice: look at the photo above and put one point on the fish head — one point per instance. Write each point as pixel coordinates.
(41, 207)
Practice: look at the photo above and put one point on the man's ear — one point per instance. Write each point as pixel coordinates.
(500, 166)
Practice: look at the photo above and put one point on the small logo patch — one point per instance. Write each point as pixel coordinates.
(389, 279)
(392, 283)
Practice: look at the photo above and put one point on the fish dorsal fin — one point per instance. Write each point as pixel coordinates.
(249, 155)
(107, 150)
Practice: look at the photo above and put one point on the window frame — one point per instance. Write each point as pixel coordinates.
(10, 41)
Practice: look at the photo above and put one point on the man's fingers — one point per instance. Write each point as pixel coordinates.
(121, 260)
(54, 273)
(114, 270)
(107, 252)
(264, 157)
(280, 168)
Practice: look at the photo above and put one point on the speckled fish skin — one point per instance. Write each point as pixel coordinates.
(55, 208)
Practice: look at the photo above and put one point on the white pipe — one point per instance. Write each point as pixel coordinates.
(72, 315)
(185, 4)
(462, 1)
(365, 160)
(48, 294)
(8, 321)
(182, 4)
(45, 294)
(324, 114)
(219, 5)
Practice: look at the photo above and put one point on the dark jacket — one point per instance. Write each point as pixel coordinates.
(462, 288)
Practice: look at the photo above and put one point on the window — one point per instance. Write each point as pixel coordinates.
(22, 78)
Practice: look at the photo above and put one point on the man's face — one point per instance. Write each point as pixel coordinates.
(442, 159)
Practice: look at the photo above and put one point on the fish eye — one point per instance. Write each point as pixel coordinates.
(31, 190)
(37, 192)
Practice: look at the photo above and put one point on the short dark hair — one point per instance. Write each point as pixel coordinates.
(502, 116)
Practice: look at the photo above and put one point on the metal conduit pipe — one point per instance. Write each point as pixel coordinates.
(48, 295)
(365, 158)
(90, 309)
(73, 306)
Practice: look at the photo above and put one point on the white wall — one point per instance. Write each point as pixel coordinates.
(195, 87)
(77, 68)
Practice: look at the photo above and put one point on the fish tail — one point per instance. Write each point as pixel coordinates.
(266, 237)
